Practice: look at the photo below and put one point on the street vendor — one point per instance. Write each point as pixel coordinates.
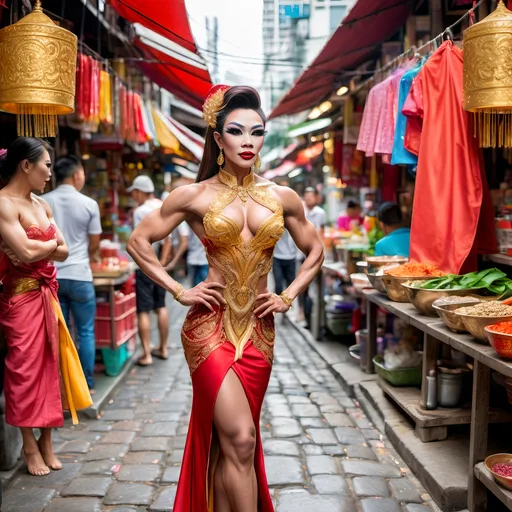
(396, 241)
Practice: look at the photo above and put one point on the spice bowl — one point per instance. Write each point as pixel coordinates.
(377, 262)
(423, 299)
(500, 341)
(376, 282)
(395, 289)
(499, 458)
(447, 315)
(476, 325)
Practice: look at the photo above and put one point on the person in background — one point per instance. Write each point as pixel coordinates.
(316, 215)
(284, 267)
(150, 296)
(78, 217)
(396, 241)
(353, 215)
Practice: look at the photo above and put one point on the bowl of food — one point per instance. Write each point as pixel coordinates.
(476, 318)
(500, 338)
(395, 277)
(500, 467)
(423, 299)
(376, 281)
(445, 308)
(376, 262)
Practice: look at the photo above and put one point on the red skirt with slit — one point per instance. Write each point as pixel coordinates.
(210, 356)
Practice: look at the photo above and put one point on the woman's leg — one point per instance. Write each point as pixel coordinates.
(31, 454)
(235, 477)
(46, 448)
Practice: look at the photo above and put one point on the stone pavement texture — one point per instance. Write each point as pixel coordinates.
(321, 452)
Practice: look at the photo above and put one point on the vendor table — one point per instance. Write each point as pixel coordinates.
(109, 284)
(432, 425)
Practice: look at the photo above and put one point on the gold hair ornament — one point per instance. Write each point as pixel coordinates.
(214, 103)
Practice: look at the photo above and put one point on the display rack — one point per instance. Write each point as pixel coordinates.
(480, 415)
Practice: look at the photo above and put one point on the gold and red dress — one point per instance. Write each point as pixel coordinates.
(42, 371)
(230, 337)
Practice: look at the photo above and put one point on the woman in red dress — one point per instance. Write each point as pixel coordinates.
(30, 315)
(228, 335)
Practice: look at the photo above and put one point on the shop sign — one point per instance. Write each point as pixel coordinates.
(294, 10)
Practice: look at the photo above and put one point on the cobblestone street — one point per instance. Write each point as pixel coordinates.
(322, 454)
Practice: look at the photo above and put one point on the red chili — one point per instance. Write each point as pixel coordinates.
(503, 327)
(503, 469)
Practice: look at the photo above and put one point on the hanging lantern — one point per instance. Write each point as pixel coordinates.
(488, 77)
(37, 73)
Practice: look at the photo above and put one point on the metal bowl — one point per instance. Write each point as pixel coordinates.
(376, 282)
(476, 324)
(498, 458)
(382, 261)
(500, 341)
(395, 289)
(450, 319)
(362, 266)
(423, 299)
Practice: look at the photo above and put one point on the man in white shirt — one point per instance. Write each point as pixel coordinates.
(78, 217)
(150, 296)
(316, 215)
(284, 266)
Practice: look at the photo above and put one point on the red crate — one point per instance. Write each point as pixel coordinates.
(125, 321)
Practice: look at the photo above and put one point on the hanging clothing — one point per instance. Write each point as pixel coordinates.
(369, 124)
(400, 155)
(450, 183)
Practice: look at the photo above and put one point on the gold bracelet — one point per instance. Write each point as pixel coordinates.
(179, 293)
(287, 300)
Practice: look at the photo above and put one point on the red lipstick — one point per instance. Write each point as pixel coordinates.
(246, 155)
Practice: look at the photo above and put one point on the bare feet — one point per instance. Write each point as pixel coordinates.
(35, 463)
(48, 456)
(145, 361)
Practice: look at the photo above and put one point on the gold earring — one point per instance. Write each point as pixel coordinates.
(220, 158)
(257, 163)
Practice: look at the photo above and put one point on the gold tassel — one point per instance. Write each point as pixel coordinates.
(36, 121)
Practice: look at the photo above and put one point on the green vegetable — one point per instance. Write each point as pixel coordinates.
(491, 279)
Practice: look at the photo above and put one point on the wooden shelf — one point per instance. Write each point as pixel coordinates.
(501, 259)
(409, 400)
(482, 474)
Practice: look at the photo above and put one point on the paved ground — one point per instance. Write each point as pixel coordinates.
(322, 454)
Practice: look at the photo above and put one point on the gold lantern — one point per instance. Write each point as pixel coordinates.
(37, 73)
(488, 77)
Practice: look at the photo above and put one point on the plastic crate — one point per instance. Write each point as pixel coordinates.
(122, 306)
(114, 359)
(125, 321)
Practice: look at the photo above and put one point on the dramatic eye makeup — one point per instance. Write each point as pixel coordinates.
(234, 128)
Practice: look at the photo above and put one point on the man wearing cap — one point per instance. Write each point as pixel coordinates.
(150, 296)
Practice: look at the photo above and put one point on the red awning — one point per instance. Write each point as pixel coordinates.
(164, 36)
(367, 25)
(165, 17)
(189, 83)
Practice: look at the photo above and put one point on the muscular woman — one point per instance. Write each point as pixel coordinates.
(228, 335)
(30, 314)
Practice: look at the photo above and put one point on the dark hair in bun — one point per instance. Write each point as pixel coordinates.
(235, 97)
(23, 148)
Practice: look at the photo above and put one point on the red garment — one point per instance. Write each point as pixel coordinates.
(449, 181)
(32, 383)
(201, 449)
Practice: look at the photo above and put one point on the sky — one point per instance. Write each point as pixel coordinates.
(240, 35)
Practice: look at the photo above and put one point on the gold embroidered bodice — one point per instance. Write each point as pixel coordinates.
(241, 263)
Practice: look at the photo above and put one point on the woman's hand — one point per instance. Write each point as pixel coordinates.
(272, 304)
(204, 293)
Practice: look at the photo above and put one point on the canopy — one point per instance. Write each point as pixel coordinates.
(165, 17)
(286, 167)
(164, 36)
(367, 25)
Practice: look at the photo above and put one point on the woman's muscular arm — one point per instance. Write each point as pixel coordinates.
(155, 227)
(307, 240)
(15, 239)
(62, 252)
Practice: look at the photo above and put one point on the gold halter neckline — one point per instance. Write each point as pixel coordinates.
(230, 181)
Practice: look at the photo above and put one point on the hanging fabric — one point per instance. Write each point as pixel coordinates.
(447, 209)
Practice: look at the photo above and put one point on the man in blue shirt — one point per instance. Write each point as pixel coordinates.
(396, 239)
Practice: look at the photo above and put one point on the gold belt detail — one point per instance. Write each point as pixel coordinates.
(24, 285)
